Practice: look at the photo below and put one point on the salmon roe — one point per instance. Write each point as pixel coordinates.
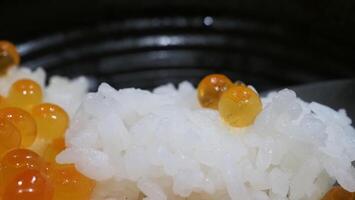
(211, 88)
(53, 150)
(338, 193)
(8, 56)
(30, 184)
(18, 160)
(239, 106)
(10, 137)
(25, 93)
(70, 184)
(67, 181)
(24, 123)
(52, 121)
(2, 102)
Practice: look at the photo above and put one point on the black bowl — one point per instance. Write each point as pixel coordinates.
(136, 43)
(150, 51)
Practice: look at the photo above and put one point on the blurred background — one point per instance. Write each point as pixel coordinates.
(145, 43)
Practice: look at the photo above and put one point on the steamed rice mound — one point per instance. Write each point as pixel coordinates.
(162, 145)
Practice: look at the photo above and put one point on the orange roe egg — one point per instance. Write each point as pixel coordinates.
(10, 137)
(8, 56)
(29, 185)
(3, 102)
(24, 123)
(52, 121)
(338, 193)
(70, 184)
(53, 150)
(211, 88)
(239, 106)
(25, 93)
(18, 160)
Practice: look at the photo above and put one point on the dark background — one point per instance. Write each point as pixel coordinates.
(269, 43)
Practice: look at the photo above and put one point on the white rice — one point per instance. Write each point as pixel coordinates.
(164, 145)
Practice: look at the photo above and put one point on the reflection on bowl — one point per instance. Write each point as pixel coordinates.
(147, 52)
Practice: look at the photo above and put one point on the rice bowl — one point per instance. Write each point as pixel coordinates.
(218, 141)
